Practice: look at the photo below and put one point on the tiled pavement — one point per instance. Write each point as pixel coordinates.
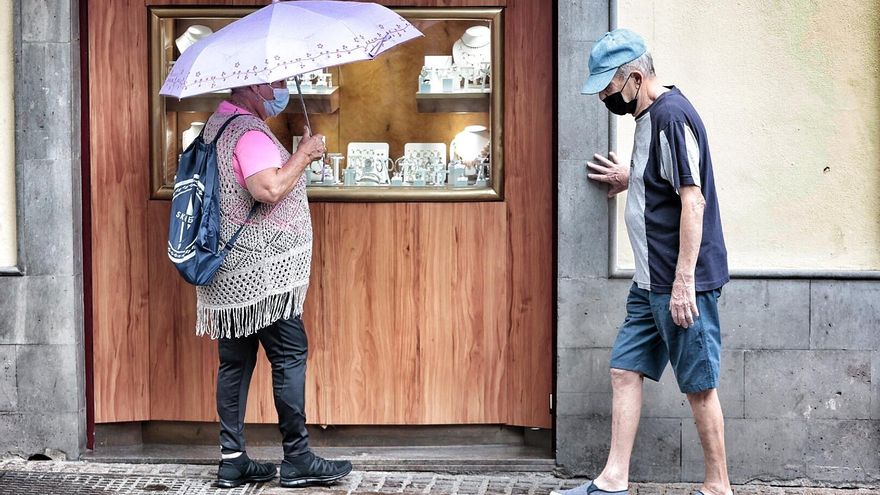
(20, 477)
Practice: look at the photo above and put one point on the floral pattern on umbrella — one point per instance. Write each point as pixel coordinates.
(286, 39)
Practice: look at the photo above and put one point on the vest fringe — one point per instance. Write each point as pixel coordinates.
(247, 320)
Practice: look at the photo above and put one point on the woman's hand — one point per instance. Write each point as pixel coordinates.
(311, 146)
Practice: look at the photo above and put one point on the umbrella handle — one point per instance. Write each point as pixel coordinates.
(303, 103)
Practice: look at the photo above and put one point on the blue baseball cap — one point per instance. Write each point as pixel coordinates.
(609, 52)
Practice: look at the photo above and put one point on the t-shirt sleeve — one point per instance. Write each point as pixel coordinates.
(679, 155)
(255, 152)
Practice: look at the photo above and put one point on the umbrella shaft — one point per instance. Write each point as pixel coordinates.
(303, 103)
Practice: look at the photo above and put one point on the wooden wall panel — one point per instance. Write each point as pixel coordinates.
(119, 154)
(530, 194)
(415, 330)
(183, 368)
(464, 296)
(359, 350)
(417, 313)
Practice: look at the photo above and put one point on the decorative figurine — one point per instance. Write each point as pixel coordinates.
(474, 47)
(191, 134)
(192, 34)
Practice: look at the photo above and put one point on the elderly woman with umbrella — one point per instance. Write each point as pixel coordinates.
(257, 295)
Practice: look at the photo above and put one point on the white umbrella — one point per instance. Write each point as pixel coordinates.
(283, 40)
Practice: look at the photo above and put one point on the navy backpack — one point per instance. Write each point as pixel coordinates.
(194, 229)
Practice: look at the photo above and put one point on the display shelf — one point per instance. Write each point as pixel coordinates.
(401, 193)
(323, 101)
(457, 101)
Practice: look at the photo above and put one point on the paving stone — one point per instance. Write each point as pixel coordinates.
(443, 486)
(394, 484)
(121, 478)
(808, 384)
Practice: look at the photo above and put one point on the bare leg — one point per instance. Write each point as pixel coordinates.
(710, 425)
(626, 408)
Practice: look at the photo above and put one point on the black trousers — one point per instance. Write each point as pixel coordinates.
(286, 346)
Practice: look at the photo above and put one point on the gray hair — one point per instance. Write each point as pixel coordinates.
(643, 64)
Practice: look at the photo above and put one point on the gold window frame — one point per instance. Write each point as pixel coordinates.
(161, 47)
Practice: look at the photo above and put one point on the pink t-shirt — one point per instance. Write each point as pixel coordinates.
(254, 151)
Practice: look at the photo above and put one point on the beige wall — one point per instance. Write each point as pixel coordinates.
(8, 249)
(789, 94)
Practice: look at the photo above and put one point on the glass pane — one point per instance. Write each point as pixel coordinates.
(414, 124)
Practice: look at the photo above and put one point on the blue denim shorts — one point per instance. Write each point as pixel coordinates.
(648, 339)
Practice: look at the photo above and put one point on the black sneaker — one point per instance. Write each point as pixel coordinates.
(240, 470)
(308, 469)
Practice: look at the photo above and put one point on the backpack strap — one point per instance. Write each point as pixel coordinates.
(231, 243)
(223, 127)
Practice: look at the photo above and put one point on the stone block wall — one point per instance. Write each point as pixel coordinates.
(800, 375)
(42, 384)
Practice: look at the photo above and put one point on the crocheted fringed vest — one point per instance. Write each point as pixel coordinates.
(266, 276)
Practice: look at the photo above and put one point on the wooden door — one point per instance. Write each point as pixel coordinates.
(406, 325)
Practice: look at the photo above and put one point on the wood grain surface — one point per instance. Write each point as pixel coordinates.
(119, 178)
(417, 313)
(529, 146)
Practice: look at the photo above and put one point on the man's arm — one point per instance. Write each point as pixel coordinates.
(683, 303)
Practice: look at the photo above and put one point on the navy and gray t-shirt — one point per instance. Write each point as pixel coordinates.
(670, 151)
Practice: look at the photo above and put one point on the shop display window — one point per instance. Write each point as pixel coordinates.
(421, 122)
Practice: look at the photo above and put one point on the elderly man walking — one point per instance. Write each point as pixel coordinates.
(674, 227)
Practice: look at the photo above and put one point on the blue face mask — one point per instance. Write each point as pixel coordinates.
(276, 106)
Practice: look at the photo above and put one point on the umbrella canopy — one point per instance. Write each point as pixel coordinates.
(283, 40)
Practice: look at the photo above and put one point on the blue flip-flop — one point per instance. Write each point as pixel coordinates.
(588, 488)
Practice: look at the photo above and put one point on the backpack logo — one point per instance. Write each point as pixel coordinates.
(184, 248)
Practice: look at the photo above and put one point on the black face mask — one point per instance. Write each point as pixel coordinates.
(615, 104)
